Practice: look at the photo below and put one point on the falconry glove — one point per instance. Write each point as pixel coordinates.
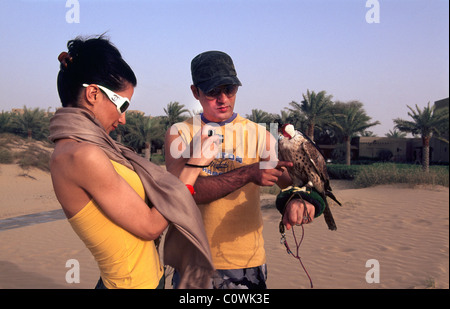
(308, 194)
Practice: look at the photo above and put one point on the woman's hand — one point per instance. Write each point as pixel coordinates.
(205, 146)
(204, 150)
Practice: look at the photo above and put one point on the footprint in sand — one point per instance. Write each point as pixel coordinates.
(422, 222)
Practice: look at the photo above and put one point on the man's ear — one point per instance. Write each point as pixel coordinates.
(195, 92)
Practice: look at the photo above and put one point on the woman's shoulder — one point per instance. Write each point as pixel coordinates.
(77, 154)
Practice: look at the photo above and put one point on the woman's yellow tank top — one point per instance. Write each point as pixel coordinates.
(125, 260)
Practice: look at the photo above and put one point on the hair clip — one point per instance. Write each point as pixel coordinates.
(64, 58)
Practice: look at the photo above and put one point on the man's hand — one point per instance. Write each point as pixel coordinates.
(268, 177)
(295, 213)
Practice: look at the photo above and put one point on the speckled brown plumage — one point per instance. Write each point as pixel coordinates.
(309, 167)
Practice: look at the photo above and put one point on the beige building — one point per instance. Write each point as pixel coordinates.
(396, 149)
(404, 149)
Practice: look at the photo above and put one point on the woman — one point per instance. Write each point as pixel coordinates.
(105, 188)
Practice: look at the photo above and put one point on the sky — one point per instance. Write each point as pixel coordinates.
(386, 54)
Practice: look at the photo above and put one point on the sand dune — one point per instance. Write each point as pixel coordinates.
(406, 230)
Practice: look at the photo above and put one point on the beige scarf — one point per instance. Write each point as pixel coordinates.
(186, 247)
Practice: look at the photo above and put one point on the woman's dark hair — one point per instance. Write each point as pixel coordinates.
(91, 61)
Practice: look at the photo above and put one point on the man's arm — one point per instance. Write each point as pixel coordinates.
(211, 188)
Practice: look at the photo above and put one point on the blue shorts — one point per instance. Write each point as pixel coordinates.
(245, 278)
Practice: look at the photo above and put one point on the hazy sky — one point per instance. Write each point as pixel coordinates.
(280, 48)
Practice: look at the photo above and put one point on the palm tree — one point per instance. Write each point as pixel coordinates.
(350, 119)
(174, 113)
(289, 116)
(395, 134)
(32, 123)
(284, 117)
(140, 130)
(315, 108)
(259, 116)
(426, 123)
(5, 119)
(366, 133)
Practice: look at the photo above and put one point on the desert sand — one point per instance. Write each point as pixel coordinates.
(402, 231)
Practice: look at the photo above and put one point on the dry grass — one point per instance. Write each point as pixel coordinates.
(26, 153)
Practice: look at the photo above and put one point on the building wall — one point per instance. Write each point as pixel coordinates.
(400, 148)
(403, 149)
(406, 149)
(439, 151)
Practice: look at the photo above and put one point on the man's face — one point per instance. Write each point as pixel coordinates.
(218, 105)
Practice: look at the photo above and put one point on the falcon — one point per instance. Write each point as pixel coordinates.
(309, 167)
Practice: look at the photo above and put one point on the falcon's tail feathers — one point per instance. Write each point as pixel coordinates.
(331, 195)
(329, 218)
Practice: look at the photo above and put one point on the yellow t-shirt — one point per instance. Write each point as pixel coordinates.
(233, 223)
(125, 260)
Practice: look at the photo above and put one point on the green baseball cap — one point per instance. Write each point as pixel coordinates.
(211, 69)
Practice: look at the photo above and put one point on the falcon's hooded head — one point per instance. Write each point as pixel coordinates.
(287, 130)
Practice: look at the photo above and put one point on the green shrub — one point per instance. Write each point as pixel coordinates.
(342, 171)
(158, 159)
(34, 156)
(389, 173)
(6, 157)
(270, 190)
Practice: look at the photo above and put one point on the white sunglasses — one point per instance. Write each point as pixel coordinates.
(121, 103)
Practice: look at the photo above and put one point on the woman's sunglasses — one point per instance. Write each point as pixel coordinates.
(120, 102)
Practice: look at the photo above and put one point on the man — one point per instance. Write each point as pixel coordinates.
(227, 191)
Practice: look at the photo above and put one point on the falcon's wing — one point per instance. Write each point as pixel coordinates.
(289, 151)
(317, 160)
